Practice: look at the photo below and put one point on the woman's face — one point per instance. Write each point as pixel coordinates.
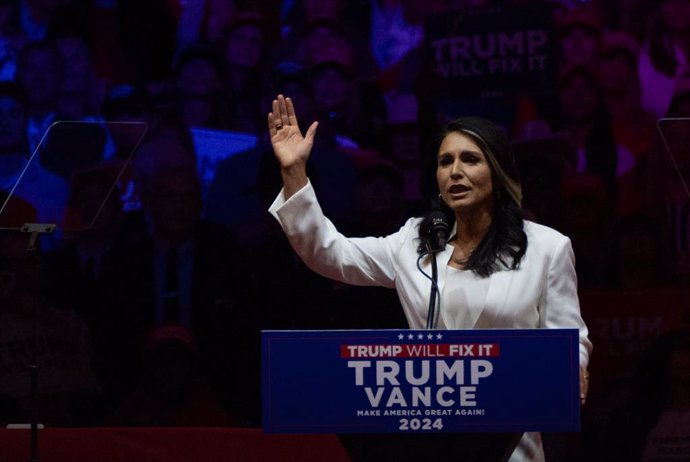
(463, 174)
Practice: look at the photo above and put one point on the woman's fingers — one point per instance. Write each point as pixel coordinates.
(282, 106)
(292, 117)
(311, 131)
(271, 124)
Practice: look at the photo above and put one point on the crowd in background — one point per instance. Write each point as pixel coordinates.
(151, 315)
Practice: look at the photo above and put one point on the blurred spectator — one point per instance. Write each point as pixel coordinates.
(219, 15)
(659, 185)
(654, 422)
(81, 91)
(585, 119)
(35, 16)
(40, 70)
(233, 198)
(379, 210)
(395, 30)
(640, 259)
(633, 127)
(95, 218)
(664, 64)
(165, 149)
(579, 33)
(170, 267)
(379, 205)
(44, 190)
(292, 296)
(128, 112)
(129, 118)
(542, 165)
(203, 21)
(12, 39)
(347, 111)
(200, 99)
(172, 389)
(244, 47)
(311, 24)
(587, 221)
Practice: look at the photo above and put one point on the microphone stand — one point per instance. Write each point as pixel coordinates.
(34, 229)
(433, 295)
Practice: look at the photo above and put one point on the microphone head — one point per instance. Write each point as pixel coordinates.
(439, 229)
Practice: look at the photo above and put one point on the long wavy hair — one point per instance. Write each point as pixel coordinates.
(505, 243)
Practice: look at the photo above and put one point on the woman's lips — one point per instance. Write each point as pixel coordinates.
(458, 188)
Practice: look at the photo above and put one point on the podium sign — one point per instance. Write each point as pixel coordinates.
(390, 381)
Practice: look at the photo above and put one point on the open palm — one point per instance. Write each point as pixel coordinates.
(289, 146)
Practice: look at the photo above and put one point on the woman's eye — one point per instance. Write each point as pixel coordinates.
(445, 161)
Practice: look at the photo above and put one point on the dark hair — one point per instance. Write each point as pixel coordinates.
(505, 243)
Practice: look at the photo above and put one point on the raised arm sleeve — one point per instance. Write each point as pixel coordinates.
(359, 261)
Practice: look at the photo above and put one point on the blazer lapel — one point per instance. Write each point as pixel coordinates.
(496, 299)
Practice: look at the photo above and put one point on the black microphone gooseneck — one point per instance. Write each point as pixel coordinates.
(439, 230)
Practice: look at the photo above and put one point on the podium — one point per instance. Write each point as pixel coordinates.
(435, 395)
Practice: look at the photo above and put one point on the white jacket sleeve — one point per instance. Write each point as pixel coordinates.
(369, 261)
(559, 304)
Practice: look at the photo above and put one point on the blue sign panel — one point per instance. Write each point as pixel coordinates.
(389, 381)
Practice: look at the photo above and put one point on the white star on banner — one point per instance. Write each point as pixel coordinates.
(420, 336)
(439, 336)
(401, 336)
(410, 336)
(430, 336)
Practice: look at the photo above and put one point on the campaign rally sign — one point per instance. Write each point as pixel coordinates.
(493, 52)
(387, 381)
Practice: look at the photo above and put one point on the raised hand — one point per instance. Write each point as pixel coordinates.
(289, 146)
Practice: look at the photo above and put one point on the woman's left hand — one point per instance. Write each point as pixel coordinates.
(584, 385)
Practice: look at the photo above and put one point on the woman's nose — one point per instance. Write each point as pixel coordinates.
(456, 171)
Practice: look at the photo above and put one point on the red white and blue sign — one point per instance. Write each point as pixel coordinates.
(390, 381)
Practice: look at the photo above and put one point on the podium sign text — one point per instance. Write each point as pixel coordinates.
(390, 381)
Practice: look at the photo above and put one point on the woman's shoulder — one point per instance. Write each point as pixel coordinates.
(542, 235)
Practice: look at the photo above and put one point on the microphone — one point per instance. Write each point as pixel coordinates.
(440, 229)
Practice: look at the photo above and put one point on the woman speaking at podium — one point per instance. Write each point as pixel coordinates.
(496, 270)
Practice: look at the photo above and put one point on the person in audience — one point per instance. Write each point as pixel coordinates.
(243, 47)
(640, 257)
(201, 101)
(579, 32)
(654, 422)
(24, 176)
(633, 127)
(40, 70)
(664, 64)
(170, 267)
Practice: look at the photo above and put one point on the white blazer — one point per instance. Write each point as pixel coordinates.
(541, 293)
